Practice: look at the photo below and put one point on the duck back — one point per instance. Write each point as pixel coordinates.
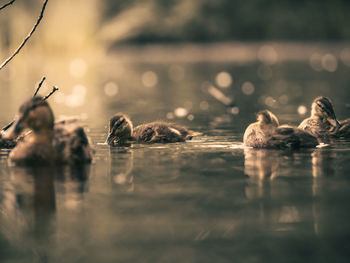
(72, 144)
(161, 132)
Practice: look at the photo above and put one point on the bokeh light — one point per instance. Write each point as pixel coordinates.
(267, 55)
(248, 88)
(329, 62)
(316, 62)
(223, 79)
(302, 110)
(180, 112)
(111, 89)
(149, 79)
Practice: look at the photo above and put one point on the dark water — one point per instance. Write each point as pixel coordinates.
(206, 200)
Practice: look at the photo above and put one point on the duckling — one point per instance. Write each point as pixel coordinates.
(344, 129)
(322, 123)
(6, 143)
(121, 130)
(48, 143)
(266, 133)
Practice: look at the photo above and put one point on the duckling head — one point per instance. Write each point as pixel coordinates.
(120, 129)
(34, 114)
(267, 117)
(322, 108)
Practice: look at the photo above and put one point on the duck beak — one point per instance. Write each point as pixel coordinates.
(15, 129)
(110, 138)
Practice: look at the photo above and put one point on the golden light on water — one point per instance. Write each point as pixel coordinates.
(345, 56)
(111, 89)
(77, 97)
(316, 62)
(223, 79)
(234, 110)
(267, 55)
(248, 88)
(170, 115)
(180, 112)
(269, 101)
(329, 62)
(302, 110)
(190, 117)
(149, 79)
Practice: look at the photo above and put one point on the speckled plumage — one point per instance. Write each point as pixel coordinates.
(47, 143)
(161, 132)
(266, 133)
(121, 130)
(322, 123)
(71, 143)
(344, 130)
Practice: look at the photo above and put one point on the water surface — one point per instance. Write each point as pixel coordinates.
(206, 200)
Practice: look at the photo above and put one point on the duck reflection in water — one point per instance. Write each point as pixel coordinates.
(284, 205)
(261, 165)
(121, 166)
(28, 211)
(322, 167)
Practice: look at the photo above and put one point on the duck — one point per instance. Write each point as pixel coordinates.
(323, 122)
(6, 143)
(48, 143)
(121, 131)
(268, 133)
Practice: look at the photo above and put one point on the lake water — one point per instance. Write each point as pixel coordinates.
(206, 200)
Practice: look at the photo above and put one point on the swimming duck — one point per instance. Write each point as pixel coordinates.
(6, 143)
(121, 130)
(322, 123)
(266, 133)
(47, 143)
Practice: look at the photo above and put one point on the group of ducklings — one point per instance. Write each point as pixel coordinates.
(51, 142)
(321, 127)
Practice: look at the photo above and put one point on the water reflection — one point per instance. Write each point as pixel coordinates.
(30, 200)
(283, 205)
(28, 210)
(122, 164)
(323, 162)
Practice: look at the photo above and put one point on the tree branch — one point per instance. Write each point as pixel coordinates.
(39, 86)
(27, 37)
(54, 89)
(9, 3)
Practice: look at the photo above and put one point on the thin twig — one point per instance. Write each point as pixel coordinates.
(27, 38)
(9, 3)
(39, 86)
(54, 89)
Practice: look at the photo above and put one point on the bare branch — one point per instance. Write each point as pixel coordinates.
(39, 86)
(5, 5)
(54, 89)
(27, 37)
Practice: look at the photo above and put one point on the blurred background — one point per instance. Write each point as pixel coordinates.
(209, 65)
(166, 59)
